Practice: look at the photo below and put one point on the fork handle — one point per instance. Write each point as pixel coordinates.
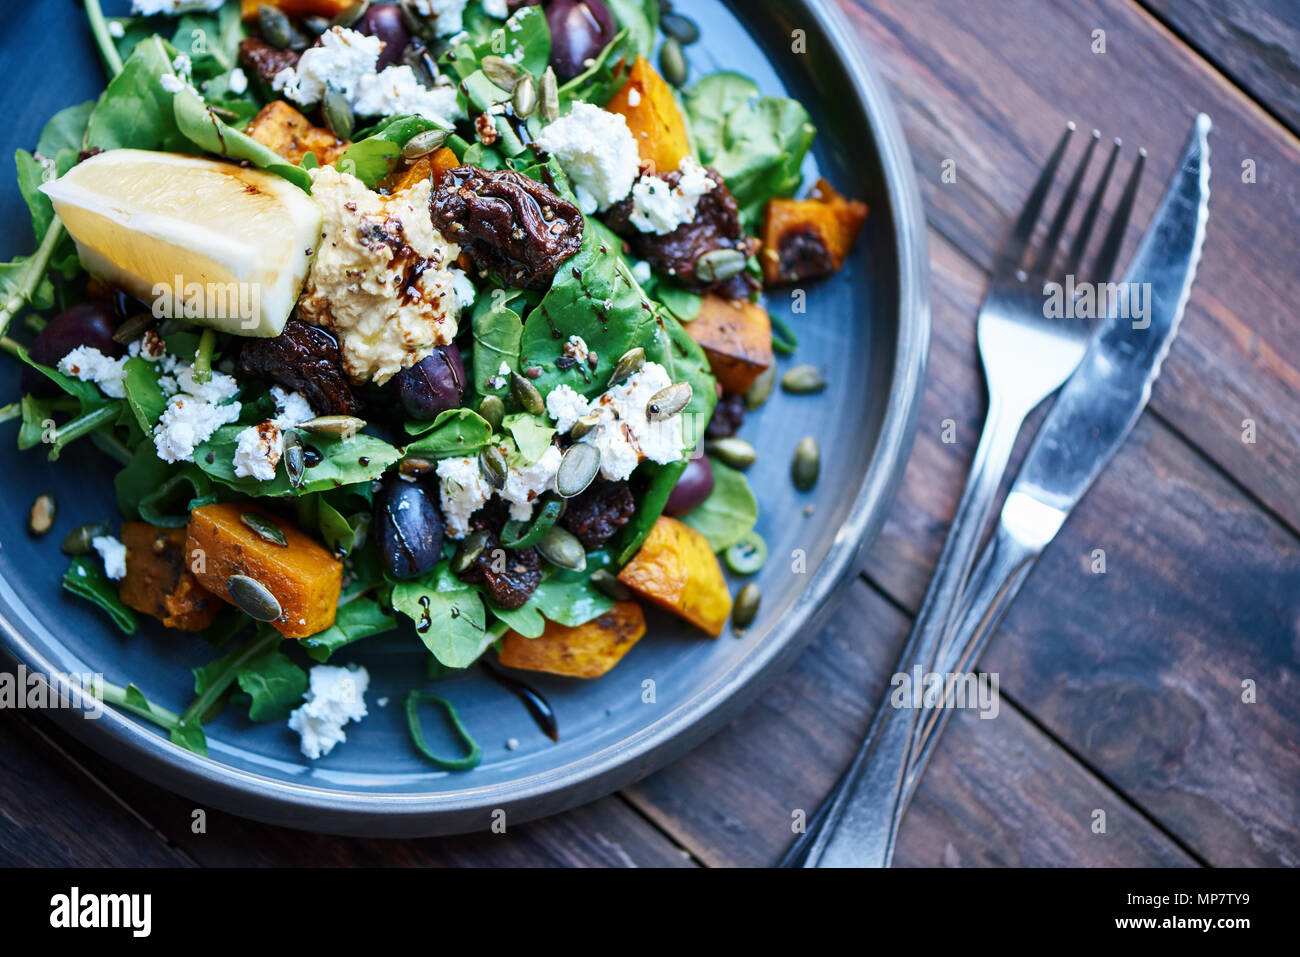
(860, 826)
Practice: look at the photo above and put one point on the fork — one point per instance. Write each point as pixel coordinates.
(1026, 357)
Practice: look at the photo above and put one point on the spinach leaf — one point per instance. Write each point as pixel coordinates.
(142, 476)
(31, 174)
(455, 432)
(682, 303)
(66, 130)
(593, 296)
(274, 683)
(526, 619)
(497, 330)
(373, 156)
(143, 394)
(337, 532)
(605, 77)
(86, 579)
(641, 18)
(633, 534)
(532, 436)
(135, 112)
(359, 618)
(708, 104)
(730, 511)
(362, 458)
(570, 603)
(451, 623)
(524, 40)
(169, 503)
(38, 421)
(201, 127)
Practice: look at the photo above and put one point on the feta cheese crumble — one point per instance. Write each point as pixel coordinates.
(113, 553)
(463, 489)
(576, 348)
(238, 82)
(659, 208)
(334, 697)
(448, 14)
(496, 8)
(88, 364)
(116, 30)
(498, 381)
(259, 447)
(148, 8)
(597, 151)
(171, 83)
(341, 60)
(398, 90)
(623, 433)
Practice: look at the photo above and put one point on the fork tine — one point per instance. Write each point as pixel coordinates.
(1105, 264)
(1080, 244)
(1054, 232)
(1014, 246)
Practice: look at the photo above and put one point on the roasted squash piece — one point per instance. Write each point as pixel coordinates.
(286, 131)
(677, 570)
(646, 101)
(736, 335)
(581, 651)
(304, 578)
(296, 8)
(157, 582)
(421, 169)
(809, 238)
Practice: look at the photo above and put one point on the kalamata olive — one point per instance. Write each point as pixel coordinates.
(91, 324)
(408, 529)
(384, 20)
(580, 29)
(433, 385)
(692, 488)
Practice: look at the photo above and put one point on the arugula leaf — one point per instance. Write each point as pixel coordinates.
(38, 418)
(31, 174)
(451, 623)
(274, 683)
(189, 735)
(730, 511)
(362, 458)
(338, 533)
(169, 503)
(372, 156)
(532, 436)
(359, 618)
(87, 580)
(455, 432)
(605, 77)
(201, 127)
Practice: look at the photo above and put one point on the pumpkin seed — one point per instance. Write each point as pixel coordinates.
(746, 607)
(133, 328)
(295, 458)
(493, 410)
(585, 424)
(525, 97)
(40, 518)
(468, 552)
(350, 15)
(747, 556)
(414, 467)
(628, 364)
(339, 426)
(549, 94)
(500, 71)
(315, 26)
(807, 463)
(803, 380)
(561, 548)
(253, 598)
(719, 264)
(668, 401)
(492, 463)
(680, 28)
(526, 394)
(737, 453)
(608, 584)
(337, 112)
(577, 469)
(81, 539)
(265, 529)
(672, 62)
(422, 144)
(274, 26)
(758, 393)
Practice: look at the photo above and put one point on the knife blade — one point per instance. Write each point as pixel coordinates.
(1093, 415)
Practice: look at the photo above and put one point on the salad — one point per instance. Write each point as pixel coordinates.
(439, 316)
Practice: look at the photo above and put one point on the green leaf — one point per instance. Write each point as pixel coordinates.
(497, 330)
(202, 128)
(682, 303)
(31, 174)
(363, 458)
(338, 533)
(87, 580)
(526, 619)
(452, 624)
(373, 156)
(143, 394)
(570, 603)
(38, 416)
(532, 436)
(359, 618)
(135, 112)
(455, 432)
(189, 735)
(170, 502)
(641, 18)
(66, 130)
(474, 753)
(730, 511)
(274, 683)
(708, 104)
(524, 39)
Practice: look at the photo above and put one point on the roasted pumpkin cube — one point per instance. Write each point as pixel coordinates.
(677, 570)
(646, 101)
(157, 582)
(304, 578)
(736, 335)
(286, 131)
(809, 238)
(580, 651)
(329, 9)
(421, 169)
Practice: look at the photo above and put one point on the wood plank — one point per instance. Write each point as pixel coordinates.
(606, 833)
(998, 791)
(1255, 42)
(1138, 670)
(994, 98)
(52, 814)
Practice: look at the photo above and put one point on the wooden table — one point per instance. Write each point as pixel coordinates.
(1122, 692)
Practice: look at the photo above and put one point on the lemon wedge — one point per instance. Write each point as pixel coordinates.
(211, 242)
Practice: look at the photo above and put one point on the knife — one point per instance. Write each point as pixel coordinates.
(1093, 415)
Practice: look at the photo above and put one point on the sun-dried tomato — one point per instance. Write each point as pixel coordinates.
(599, 512)
(259, 57)
(303, 359)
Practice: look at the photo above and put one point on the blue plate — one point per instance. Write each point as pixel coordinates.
(868, 327)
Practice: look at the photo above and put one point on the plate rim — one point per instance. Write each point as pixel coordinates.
(404, 814)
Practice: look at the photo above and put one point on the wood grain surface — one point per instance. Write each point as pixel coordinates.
(1122, 691)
